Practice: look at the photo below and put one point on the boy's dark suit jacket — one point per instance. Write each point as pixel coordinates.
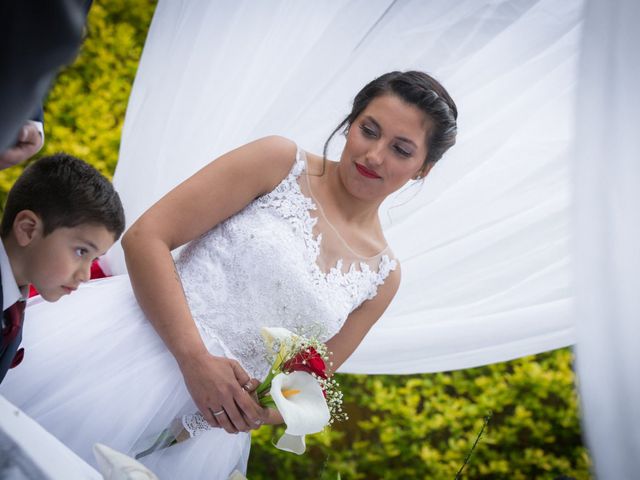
(9, 351)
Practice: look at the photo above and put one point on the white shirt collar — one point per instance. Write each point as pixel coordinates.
(10, 291)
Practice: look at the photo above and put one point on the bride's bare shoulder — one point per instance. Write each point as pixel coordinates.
(267, 160)
(277, 151)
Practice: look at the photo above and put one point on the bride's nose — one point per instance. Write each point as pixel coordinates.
(374, 155)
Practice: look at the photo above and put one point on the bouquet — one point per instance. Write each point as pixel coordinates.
(297, 385)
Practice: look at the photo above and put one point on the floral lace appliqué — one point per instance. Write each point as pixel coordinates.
(259, 268)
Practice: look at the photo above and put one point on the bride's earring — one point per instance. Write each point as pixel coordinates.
(423, 171)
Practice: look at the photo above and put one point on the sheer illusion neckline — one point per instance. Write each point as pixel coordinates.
(318, 206)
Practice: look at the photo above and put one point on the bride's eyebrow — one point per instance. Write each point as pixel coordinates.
(377, 125)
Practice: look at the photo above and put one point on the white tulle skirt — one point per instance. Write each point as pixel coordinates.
(95, 370)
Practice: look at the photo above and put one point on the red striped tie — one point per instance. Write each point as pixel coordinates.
(13, 316)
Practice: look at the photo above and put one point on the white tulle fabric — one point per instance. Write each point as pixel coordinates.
(484, 241)
(607, 237)
(95, 370)
(98, 372)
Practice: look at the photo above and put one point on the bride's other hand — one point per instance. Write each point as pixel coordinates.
(272, 416)
(266, 414)
(216, 386)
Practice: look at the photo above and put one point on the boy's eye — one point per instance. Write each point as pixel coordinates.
(81, 252)
(367, 131)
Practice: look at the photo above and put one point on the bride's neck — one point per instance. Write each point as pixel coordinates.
(351, 210)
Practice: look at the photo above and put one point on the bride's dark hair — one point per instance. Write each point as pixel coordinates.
(415, 88)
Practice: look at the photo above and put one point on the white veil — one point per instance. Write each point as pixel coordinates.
(483, 242)
(606, 228)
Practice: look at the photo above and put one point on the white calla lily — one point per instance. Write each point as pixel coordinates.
(285, 338)
(301, 403)
(279, 334)
(292, 443)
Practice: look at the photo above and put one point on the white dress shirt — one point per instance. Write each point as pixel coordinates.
(10, 290)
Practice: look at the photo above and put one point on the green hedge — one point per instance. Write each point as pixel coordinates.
(418, 426)
(423, 426)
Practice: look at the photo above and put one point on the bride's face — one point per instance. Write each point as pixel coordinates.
(386, 147)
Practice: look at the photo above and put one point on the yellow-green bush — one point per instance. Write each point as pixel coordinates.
(423, 426)
(418, 426)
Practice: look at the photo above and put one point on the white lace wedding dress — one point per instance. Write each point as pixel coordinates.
(96, 371)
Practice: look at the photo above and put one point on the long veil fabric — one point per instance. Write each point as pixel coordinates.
(483, 241)
(606, 173)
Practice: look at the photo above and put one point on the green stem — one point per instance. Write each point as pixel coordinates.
(268, 402)
(265, 386)
(164, 440)
(466, 460)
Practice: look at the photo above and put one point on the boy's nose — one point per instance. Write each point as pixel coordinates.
(84, 273)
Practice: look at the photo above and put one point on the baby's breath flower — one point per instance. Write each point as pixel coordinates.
(288, 349)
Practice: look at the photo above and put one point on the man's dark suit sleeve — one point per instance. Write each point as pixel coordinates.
(37, 38)
(38, 116)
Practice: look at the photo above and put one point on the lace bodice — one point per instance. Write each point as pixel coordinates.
(259, 268)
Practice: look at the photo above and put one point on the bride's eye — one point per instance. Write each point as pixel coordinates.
(367, 131)
(401, 151)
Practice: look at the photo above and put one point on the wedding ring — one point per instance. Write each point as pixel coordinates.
(247, 386)
(258, 422)
(219, 412)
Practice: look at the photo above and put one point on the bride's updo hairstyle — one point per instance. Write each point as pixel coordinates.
(415, 88)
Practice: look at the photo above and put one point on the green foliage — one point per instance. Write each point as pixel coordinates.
(423, 426)
(84, 110)
(418, 426)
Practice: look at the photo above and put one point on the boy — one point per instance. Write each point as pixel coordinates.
(60, 215)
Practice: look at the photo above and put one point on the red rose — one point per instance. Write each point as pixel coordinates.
(308, 361)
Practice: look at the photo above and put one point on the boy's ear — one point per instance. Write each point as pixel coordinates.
(26, 226)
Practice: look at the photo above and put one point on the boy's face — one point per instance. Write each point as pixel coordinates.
(56, 264)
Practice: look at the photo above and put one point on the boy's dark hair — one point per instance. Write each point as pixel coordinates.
(64, 191)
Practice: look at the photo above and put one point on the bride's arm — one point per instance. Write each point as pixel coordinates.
(343, 343)
(213, 194)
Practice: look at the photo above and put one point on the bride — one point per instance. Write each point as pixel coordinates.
(276, 237)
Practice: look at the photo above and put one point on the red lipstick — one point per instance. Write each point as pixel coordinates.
(365, 172)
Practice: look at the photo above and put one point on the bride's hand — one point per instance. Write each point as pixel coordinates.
(216, 386)
(272, 416)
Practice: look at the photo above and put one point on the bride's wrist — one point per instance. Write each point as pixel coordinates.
(191, 358)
